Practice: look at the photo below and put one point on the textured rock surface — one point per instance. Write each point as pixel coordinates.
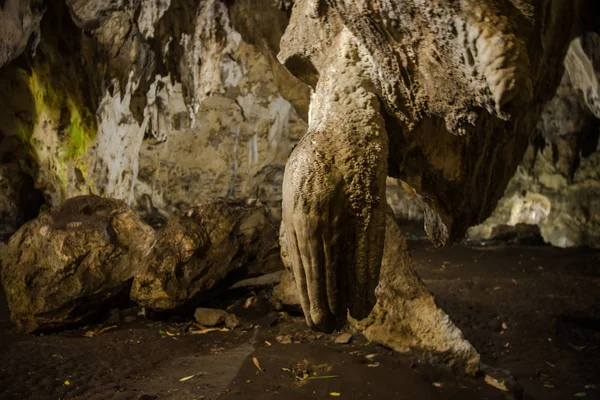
(558, 185)
(404, 201)
(210, 316)
(287, 291)
(19, 201)
(154, 102)
(196, 253)
(443, 95)
(65, 265)
(18, 21)
(406, 317)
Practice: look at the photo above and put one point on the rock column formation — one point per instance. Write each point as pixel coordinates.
(442, 95)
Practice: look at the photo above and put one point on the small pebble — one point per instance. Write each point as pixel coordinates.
(344, 338)
(284, 339)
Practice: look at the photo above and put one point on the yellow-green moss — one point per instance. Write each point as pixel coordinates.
(44, 95)
(53, 101)
(80, 133)
(47, 102)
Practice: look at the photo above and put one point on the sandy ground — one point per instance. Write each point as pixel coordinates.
(532, 310)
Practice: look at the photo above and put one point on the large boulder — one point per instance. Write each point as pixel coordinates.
(193, 254)
(65, 265)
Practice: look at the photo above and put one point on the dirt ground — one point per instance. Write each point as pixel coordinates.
(532, 310)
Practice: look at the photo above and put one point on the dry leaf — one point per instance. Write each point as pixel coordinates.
(169, 333)
(255, 361)
(268, 343)
(578, 348)
(321, 377)
(97, 332)
(187, 378)
(494, 382)
(207, 330)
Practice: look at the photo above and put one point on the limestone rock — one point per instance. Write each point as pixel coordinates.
(406, 317)
(442, 95)
(442, 100)
(284, 339)
(232, 321)
(18, 21)
(210, 316)
(171, 101)
(344, 338)
(19, 200)
(286, 291)
(68, 263)
(557, 187)
(405, 203)
(524, 234)
(196, 253)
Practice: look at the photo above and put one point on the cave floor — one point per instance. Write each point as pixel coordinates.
(532, 310)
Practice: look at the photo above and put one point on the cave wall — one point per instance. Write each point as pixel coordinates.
(165, 103)
(557, 187)
(162, 103)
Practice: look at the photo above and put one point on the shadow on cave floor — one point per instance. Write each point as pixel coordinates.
(533, 310)
(548, 300)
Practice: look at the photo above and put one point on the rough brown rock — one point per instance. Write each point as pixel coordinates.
(287, 291)
(11, 217)
(557, 187)
(18, 21)
(210, 316)
(232, 321)
(405, 317)
(68, 263)
(196, 253)
(344, 338)
(171, 101)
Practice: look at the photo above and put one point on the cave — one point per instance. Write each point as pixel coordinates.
(256, 199)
